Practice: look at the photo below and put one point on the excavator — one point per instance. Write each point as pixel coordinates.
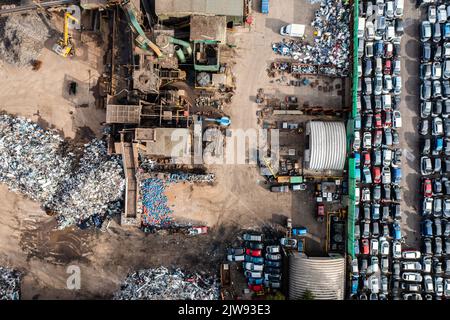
(64, 47)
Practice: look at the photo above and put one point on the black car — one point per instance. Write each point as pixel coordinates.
(437, 52)
(437, 108)
(397, 50)
(274, 264)
(367, 103)
(386, 194)
(396, 212)
(437, 186)
(397, 193)
(272, 270)
(399, 27)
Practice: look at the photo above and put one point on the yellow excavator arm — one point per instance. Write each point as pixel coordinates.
(67, 17)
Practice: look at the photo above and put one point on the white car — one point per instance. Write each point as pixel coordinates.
(357, 141)
(428, 283)
(442, 13)
(439, 286)
(447, 288)
(411, 254)
(432, 14)
(412, 266)
(426, 264)
(374, 247)
(396, 119)
(367, 140)
(232, 257)
(253, 267)
(370, 31)
(384, 245)
(412, 277)
(397, 250)
(374, 284)
(253, 274)
(366, 195)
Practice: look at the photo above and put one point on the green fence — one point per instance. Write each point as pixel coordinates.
(350, 134)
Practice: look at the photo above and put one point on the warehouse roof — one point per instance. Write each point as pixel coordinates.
(177, 8)
(323, 276)
(327, 145)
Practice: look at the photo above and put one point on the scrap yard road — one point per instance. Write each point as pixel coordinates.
(240, 199)
(409, 134)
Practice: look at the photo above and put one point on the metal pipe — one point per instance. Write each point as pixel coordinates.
(186, 45)
(180, 54)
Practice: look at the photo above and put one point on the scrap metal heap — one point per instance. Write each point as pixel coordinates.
(162, 284)
(41, 165)
(9, 284)
(22, 38)
(331, 45)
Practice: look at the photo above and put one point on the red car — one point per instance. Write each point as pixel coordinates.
(376, 173)
(366, 158)
(255, 287)
(378, 123)
(253, 253)
(387, 67)
(427, 191)
(320, 212)
(365, 246)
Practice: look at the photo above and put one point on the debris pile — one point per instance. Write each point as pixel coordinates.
(91, 189)
(331, 42)
(38, 163)
(156, 211)
(9, 284)
(22, 38)
(162, 284)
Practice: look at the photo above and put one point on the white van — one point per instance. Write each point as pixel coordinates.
(361, 27)
(293, 30)
(398, 8)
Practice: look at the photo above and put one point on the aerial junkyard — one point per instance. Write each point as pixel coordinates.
(224, 150)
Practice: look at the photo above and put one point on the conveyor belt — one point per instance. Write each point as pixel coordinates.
(46, 4)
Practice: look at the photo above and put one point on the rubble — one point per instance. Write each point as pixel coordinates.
(22, 38)
(162, 284)
(38, 163)
(331, 44)
(9, 284)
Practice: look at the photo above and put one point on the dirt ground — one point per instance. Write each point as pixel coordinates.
(409, 137)
(239, 199)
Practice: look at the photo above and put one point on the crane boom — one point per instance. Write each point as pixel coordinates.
(67, 17)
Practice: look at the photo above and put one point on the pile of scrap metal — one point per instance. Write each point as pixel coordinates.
(163, 284)
(9, 284)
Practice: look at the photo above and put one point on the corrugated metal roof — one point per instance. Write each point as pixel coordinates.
(327, 141)
(323, 276)
(188, 7)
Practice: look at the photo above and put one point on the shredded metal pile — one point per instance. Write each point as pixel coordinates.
(331, 42)
(22, 38)
(9, 284)
(162, 284)
(36, 163)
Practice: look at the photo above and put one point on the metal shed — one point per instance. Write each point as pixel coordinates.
(323, 276)
(327, 145)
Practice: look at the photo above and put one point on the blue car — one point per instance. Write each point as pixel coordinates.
(379, 48)
(299, 231)
(356, 246)
(274, 264)
(357, 157)
(446, 31)
(396, 176)
(397, 231)
(255, 260)
(255, 281)
(357, 122)
(438, 145)
(427, 228)
(358, 174)
(354, 285)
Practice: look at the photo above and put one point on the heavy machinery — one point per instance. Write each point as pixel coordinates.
(64, 47)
